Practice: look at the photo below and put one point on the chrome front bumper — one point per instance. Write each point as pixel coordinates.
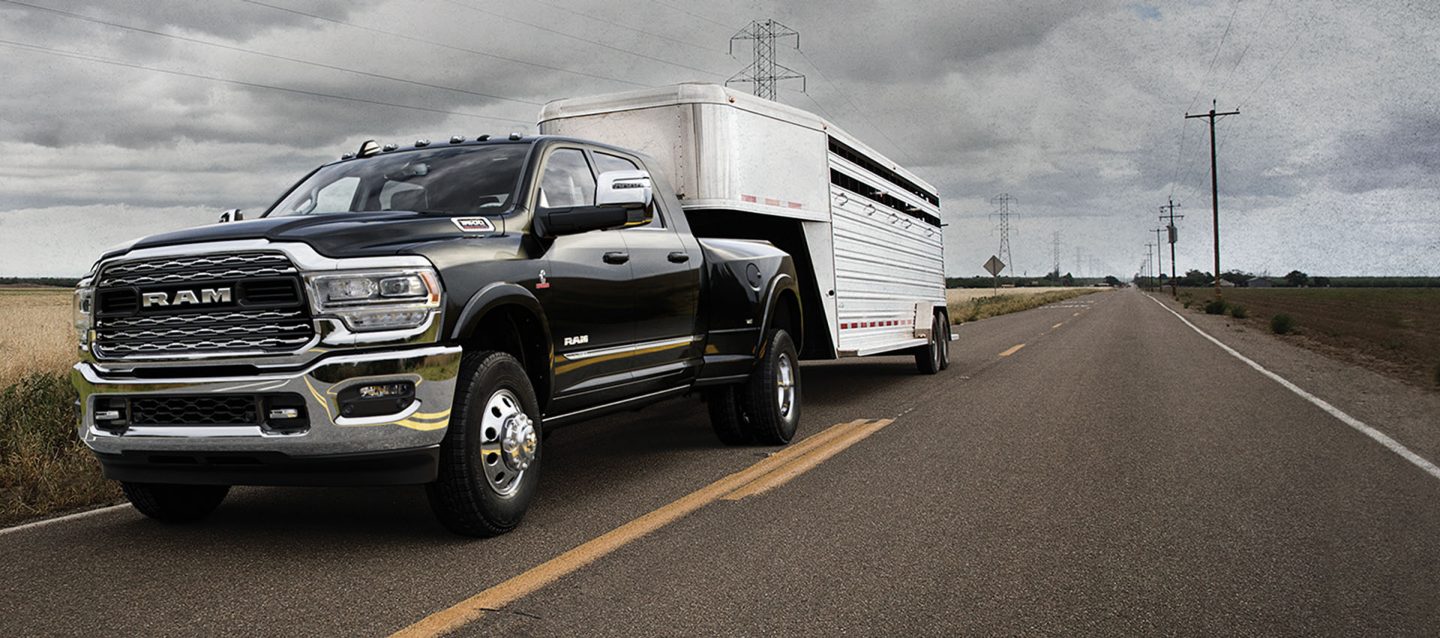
(432, 369)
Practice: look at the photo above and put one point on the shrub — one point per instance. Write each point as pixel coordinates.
(1188, 302)
(1282, 324)
(1239, 312)
(1215, 307)
(43, 466)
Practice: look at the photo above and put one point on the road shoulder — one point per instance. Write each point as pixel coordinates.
(1402, 411)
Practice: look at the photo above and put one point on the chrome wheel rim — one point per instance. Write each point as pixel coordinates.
(945, 342)
(785, 386)
(508, 442)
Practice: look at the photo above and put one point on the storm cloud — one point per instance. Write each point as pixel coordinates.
(1076, 109)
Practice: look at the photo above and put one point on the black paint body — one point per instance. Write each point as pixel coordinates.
(680, 312)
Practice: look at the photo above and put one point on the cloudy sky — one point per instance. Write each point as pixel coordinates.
(121, 118)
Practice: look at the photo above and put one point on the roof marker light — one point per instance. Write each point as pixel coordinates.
(390, 147)
(422, 143)
(482, 138)
(516, 136)
(368, 148)
(456, 139)
(347, 156)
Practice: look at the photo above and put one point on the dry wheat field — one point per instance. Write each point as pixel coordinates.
(37, 335)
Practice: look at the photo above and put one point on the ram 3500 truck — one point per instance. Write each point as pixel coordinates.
(422, 315)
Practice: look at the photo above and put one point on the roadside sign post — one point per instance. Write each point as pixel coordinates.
(994, 266)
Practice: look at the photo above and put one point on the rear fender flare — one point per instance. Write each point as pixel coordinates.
(781, 283)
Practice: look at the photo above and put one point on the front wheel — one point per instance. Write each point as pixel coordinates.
(175, 503)
(490, 457)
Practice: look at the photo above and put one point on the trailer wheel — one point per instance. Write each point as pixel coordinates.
(175, 503)
(490, 457)
(929, 357)
(944, 341)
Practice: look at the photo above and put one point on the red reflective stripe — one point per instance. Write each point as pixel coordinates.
(796, 205)
(771, 202)
(747, 198)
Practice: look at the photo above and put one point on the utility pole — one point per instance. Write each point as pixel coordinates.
(1174, 234)
(1002, 215)
(764, 71)
(1055, 238)
(1079, 264)
(1149, 249)
(1214, 184)
(1160, 267)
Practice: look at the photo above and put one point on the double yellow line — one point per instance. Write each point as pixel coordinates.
(771, 472)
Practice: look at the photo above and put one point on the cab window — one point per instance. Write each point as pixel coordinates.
(567, 181)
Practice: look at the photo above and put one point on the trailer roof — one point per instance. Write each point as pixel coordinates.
(705, 93)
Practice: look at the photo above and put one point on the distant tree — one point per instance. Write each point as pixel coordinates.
(1297, 278)
(1053, 275)
(1067, 280)
(1320, 282)
(1237, 277)
(1111, 281)
(1197, 278)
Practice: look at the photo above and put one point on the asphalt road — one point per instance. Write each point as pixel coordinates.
(1118, 474)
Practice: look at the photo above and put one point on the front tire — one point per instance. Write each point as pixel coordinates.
(944, 341)
(490, 457)
(175, 503)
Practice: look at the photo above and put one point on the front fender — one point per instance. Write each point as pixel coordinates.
(493, 296)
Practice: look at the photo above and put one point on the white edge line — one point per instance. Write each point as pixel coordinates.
(1360, 426)
(61, 519)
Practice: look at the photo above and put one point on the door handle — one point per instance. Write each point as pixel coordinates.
(679, 257)
(617, 257)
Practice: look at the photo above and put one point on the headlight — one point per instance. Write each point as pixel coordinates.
(82, 314)
(376, 300)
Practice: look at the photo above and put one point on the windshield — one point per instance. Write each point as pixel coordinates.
(457, 181)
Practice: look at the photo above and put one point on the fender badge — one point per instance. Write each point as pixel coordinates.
(542, 284)
(474, 224)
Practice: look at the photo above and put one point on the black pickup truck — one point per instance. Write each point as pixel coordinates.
(424, 315)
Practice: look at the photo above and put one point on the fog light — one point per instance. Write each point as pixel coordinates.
(107, 415)
(285, 413)
(376, 399)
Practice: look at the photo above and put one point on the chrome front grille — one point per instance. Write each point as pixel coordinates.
(264, 311)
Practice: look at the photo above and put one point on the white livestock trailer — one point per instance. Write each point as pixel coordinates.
(865, 233)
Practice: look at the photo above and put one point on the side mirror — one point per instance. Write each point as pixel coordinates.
(583, 219)
(232, 215)
(629, 189)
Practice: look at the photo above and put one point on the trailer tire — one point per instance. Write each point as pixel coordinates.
(490, 456)
(928, 357)
(944, 341)
(174, 503)
(770, 399)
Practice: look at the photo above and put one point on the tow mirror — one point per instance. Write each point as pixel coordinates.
(232, 215)
(583, 219)
(630, 189)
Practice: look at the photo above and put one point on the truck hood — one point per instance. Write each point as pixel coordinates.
(333, 235)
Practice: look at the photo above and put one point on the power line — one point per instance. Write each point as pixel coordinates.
(272, 56)
(1003, 212)
(692, 14)
(1238, 59)
(256, 85)
(442, 45)
(622, 25)
(900, 149)
(1218, 47)
(577, 38)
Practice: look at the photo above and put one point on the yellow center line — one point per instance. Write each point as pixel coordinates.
(825, 444)
(784, 474)
(1012, 350)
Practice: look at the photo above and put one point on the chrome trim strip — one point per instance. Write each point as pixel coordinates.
(89, 373)
(571, 415)
(665, 343)
(383, 418)
(303, 256)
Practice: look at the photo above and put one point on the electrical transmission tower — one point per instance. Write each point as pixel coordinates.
(1002, 216)
(765, 71)
(1055, 239)
(1079, 263)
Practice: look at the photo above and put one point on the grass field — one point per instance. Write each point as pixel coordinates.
(43, 467)
(1391, 330)
(973, 304)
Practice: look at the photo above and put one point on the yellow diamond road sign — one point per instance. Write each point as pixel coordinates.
(994, 266)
